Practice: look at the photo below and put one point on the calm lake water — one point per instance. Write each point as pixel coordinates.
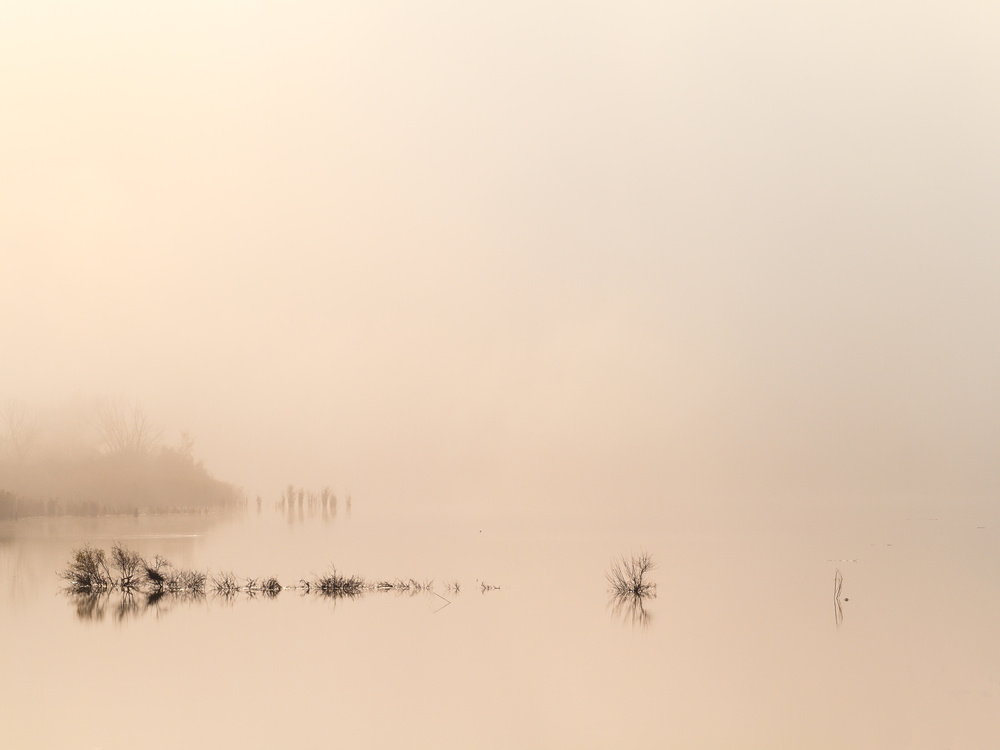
(744, 646)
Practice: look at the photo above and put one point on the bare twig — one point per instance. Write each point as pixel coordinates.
(838, 610)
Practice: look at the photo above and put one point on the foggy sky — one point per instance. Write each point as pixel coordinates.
(515, 252)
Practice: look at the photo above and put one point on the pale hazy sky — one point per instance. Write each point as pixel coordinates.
(515, 251)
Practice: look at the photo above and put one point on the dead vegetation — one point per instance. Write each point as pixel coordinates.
(409, 586)
(129, 565)
(225, 585)
(628, 576)
(338, 585)
(88, 571)
(270, 587)
(92, 576)
(630, 587)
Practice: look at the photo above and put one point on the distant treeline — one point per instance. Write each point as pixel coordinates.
(166, 480)
(121, 468)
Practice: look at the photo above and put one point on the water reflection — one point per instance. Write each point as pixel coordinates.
(124, 605)
(298, 505)
(631, 609)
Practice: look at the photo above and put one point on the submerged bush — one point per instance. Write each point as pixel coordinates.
(629, 585)
(155, 574)
(628, 576)
(162, 577)
(129, 564)
(335, 584)
(87, 571)
(270, 586)
(191, 581)
(225, 584)
(134, 584)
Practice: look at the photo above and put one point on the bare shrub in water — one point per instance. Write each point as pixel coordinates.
(143, 585)
(129, 564)
(335, 584)
(87, 571)
(225, 584)
(628, 576)
(629, 585)
(185, 581)
(156, 573)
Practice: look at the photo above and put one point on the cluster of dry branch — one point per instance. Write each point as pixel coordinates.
(92, 571)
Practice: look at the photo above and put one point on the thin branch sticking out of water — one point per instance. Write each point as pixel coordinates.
(838, 610)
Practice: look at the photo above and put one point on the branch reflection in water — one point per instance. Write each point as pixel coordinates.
(631, 609)
(124, 605)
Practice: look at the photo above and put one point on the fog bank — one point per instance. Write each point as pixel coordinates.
(585, 253)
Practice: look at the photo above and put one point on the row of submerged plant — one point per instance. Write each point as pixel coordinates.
(92, 576)
(93, 571)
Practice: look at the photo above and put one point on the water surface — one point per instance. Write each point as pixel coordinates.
(743, 645)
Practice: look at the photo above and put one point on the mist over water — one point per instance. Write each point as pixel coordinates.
(536, 287)
(452, 251)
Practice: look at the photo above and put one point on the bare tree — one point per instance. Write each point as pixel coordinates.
(20, 428)
(186, 448)
(123, 427)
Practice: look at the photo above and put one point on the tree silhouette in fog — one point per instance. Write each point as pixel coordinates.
(20, 430)
(124, 428)
(117, 464)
